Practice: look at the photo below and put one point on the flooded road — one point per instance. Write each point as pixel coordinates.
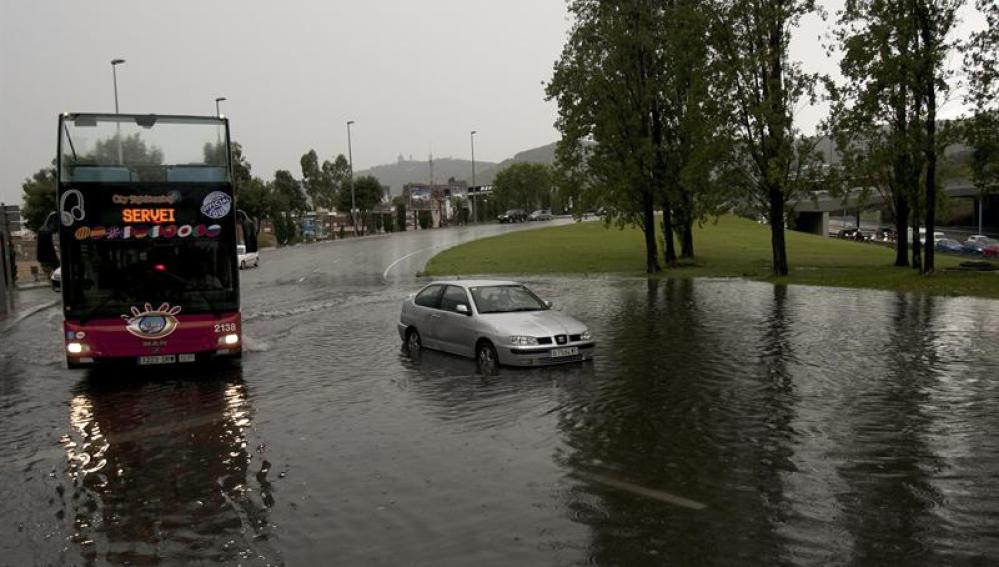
(723, 422)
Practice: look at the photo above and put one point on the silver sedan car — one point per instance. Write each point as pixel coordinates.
(496, 322)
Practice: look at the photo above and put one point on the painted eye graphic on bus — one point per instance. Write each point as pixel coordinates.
(152, 323)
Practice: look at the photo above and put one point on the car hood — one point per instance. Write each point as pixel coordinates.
(534, 323)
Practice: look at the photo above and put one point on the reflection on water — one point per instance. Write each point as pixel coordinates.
(161, 470)
(815, 426)
(722, 422)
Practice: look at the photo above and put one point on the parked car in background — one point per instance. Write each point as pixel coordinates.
(513, 215)
(991, 251)
(976, 243)
(495, 322)
(948, 245)
(540, 215)
(56, 279)
(886, 234)
(246, 259)
(854, 234)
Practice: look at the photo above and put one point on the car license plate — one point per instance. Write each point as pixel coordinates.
(160, 359)
(185, 358)
(563, 352)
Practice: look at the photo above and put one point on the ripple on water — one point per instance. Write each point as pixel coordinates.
(816, 426)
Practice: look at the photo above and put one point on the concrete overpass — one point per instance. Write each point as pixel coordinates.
(813, 210)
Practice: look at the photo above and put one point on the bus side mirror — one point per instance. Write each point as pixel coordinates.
(249, 231)
(45, 253)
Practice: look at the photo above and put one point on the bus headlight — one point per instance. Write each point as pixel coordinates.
(231, 339)
(74, 348)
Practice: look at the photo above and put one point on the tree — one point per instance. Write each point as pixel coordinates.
(693, 139)
(240, 166)
(285, 202)
(935, 19)
(876, 113)
(760, 88)
(400, 212)
(982, 131)
(605, 84)
(319, 181)
(524, 186)
(39, 198)
(287, 193)
(253, 199)
(368, 192)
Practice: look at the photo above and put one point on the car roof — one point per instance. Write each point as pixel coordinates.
(476, 283)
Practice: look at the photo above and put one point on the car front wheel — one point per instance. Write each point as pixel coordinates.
(414, 344)
(485, 357)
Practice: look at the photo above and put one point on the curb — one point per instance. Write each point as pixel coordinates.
(27, 313)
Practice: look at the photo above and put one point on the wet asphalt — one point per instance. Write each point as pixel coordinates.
(723, 422)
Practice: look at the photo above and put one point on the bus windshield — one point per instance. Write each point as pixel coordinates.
(107, 278)
(121, 148)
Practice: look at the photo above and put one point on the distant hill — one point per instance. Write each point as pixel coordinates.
(397, 174)
(543, 154)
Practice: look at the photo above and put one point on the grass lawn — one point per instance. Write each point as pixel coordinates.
(731, 246)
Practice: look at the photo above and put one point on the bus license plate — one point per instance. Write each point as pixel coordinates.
(563, 352)
(160, 359)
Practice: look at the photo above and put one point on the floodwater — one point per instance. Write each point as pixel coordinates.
(723, 422)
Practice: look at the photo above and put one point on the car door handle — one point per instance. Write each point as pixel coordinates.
(435, 316)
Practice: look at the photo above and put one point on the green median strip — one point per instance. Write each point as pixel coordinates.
(730, 247)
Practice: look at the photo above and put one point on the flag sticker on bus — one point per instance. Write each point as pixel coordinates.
(154, 232)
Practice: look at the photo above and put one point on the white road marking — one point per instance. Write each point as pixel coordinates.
(396, 262)
(639, 490)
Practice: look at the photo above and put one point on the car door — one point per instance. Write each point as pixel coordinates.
(456, 330)
(425, 312)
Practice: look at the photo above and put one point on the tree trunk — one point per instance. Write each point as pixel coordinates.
(659, 187)
(931, 177)
(669, 247)
(901, 227)
(777, 232)
(686, 224)
(917, 255)
(649, 228)
(687, 241)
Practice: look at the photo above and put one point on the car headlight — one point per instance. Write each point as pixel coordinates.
(520, 340)
(586, 335)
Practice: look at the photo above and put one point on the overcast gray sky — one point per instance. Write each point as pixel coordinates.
(414, 75)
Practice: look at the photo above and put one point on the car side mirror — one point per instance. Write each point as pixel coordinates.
(45, 251)
(463, 309)
(249, 231)
(548, 304)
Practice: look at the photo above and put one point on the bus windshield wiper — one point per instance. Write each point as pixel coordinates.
(211, 304)
(116, 292)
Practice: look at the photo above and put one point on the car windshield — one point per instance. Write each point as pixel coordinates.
(505, 299)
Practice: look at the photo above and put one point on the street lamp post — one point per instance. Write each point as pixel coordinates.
(981, 208)
(218, 114)
(350, 160)
(471, 200)
(114, 75)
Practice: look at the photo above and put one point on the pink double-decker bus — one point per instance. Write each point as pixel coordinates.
(147, 228)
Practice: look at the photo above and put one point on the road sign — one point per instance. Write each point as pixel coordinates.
(12, 215)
